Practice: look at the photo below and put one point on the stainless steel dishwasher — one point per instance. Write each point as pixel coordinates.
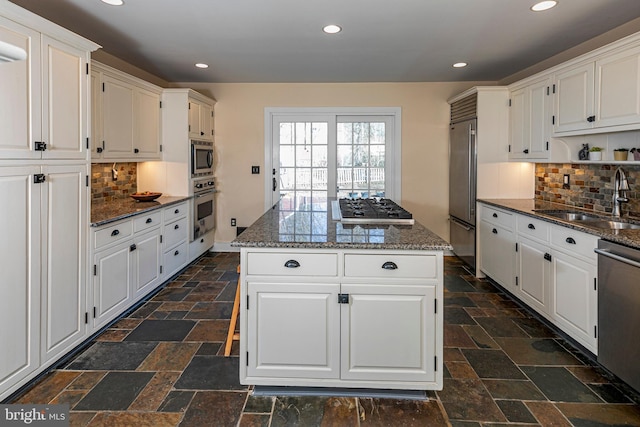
(619, 311)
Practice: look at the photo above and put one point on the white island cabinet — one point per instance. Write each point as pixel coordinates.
(357, 307)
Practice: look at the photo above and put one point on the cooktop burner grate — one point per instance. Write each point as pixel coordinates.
(372, 211)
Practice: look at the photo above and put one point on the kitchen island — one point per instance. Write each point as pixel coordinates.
(326, 304)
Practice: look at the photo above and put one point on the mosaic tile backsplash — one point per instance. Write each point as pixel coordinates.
(591, 186)
(105, 189)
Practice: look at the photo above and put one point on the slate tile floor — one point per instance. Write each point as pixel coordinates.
(162, 366)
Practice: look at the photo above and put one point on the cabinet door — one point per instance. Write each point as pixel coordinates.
(96, 114)
(20, 266)
(294, 330)
(497, 248)
(574, 307)
(112, 283)
(397, 346)
(194, 120)
(20, 103)
(147, 124)
(117, 108)
(618, 89)
(574, 98)
(64, 221)
(146, 263)
(518, 124)
(206, 122)
(64, 88)
(539, 119)
(534, 267)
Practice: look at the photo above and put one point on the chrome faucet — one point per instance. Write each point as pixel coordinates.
(620, 187)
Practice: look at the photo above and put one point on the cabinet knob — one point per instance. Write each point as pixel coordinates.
(176, 253)
(177, 211)
(99, 149)
(132, 247)
(292, 263)
(495, 215)
(135, 150)
(570, 240)
(201, 133)
(591, 119)
(176, 227)
(525, 151)
(547, 256)
(149, 221)
(531, 227)
(390, 265)
(115, 232)
(494, 231)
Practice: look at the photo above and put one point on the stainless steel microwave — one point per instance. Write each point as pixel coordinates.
(201, 158)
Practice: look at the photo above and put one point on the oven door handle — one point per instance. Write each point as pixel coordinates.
(608, 254)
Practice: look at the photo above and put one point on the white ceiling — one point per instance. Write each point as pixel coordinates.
(381, 41)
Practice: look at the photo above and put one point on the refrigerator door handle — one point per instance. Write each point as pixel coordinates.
(472, 174)
(460, 224)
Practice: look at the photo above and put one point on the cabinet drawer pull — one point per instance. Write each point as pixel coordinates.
(494, 231)
(176, 253)
(135, 150)
(292, 263)
(149, 221)
(390, 265)
(115, 232)
(495, 215)
(531, 227)
(177, 211)
(570, 240)
(176, 227)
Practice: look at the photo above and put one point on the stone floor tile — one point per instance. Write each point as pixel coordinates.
(457, 316)
(172, 294)
(259, 404)
(229, 292)
(458, 300)
(515, 411)
(534, 328)
(609, 393)
(559, 385)
(480, 338)
(113, 335)
(547, 414)
(513, 389)
(69, 397)
(211, 373)
(500, 327)
(49, 387)
(453, 355)
(209, 349)
(588, 374)
(80, 419)
(537, 351)
(456, 423)
(86, 381)
(469, 400)
(117, 356)
(388, 412)
(126, 323)
(144, 311)
(454, 283)
(475, 312)
(115, 392)
(161, 330)
(211, 310)
(492, 364)
(137, 419)
(255, 420)
(169, 356)
(154, 393)
(207, 276)
(209, 331)
(460, 370)
(177, 401)
(455, 336)
(222, 406)
(591, 415)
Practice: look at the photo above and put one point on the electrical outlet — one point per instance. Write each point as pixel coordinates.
(255, 169)
(233, 222)
(565, 182)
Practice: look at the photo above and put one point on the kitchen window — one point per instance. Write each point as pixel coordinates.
(317, 153)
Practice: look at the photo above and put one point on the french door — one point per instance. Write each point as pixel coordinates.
(314, 157)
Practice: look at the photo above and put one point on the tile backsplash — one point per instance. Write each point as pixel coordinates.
(591, 186)
(104, 188)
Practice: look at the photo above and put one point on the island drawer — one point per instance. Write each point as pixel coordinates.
(574, 242)
(174, 212)
(497, 217)
(292, 264)
(146, 221)
(391, 265)
(534, 228)
(112, 233)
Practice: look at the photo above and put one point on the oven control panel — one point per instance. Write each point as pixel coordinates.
(202, 185)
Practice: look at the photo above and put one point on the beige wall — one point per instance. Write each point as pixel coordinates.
(239, 121)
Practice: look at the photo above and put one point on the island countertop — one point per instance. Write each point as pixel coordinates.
(283, 226)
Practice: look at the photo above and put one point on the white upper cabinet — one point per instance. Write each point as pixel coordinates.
(574, 99)
(200, 120)
(44, 97)
(530, 121)
(126, 112)
(617, 96)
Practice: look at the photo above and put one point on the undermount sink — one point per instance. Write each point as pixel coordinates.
(615, 225)
(571, 216)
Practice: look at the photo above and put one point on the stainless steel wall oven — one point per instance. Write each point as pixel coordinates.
(204, 207)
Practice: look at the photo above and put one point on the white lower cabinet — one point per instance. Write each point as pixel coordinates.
(497, 246)
(112, 283)
(146, 252)
(534, 266)
(370, 319)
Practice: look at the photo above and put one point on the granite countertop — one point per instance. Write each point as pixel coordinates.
(105, 212)
(280, 227)
(530, 206)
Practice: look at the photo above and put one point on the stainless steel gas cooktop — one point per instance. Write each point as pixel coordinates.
(370, 211)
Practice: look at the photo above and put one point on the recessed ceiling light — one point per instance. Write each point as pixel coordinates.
(202, 65)
(544, 5)
(332, 29)
(460, 64)
(114, 2)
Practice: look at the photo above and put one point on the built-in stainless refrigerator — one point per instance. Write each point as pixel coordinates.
(462, 190)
